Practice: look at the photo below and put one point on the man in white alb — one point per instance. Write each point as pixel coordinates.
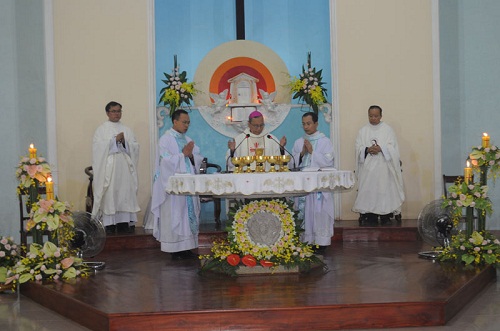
(115, 154)
(380, 182)
(176, 217)
(315, 150)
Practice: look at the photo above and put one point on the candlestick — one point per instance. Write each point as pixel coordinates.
(486, 140)
(49, 189)
(468, 174)
(32, 151)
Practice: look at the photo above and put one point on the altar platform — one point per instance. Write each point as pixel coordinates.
(375, 280)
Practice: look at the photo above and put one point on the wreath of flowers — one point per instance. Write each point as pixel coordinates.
(482, 248)
(31, 169)
(177, 90)
(308, 87)
(46, 262)
(467, 195)
(239, 249)
(486, 157)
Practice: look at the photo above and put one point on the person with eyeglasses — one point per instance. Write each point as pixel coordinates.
(115, 156)
(176, 217)
(252, 138)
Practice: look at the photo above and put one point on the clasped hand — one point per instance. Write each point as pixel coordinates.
(188, 149)
(374, 149)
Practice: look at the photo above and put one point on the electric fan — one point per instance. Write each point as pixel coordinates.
(89, 238)
(435, 225)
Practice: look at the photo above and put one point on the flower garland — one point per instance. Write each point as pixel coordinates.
(242, 249)
(177, 90)
(47, 262)
(482, 248)
(308, 87)
(467, 195)
(31, 169)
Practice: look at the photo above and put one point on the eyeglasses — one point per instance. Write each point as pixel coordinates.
(257, 126)
(115, 111)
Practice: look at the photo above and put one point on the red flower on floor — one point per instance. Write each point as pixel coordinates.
(249, 261)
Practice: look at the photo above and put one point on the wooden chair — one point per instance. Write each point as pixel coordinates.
(448, 181)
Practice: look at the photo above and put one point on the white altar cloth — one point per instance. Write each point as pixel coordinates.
(268, 184)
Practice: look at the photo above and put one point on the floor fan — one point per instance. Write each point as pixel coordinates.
(89, 238)
(435, 225)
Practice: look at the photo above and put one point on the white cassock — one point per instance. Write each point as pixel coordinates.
(115, 174)
(175, 217)
(316, 208)
(247, 146)
(380, 182)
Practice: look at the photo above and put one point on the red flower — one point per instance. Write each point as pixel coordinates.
(266, 264)
(233, 259)
(249, 261)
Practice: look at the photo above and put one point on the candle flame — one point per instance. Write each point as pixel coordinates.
(468, 164)
(485, 134)
(49, 179)
(31, 145)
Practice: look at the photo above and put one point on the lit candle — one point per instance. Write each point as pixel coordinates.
(468, 173)
(486, 140)
(49, 189)
(32, 151)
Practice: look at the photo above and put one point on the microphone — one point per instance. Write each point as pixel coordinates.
(241, 142)
(283, 147)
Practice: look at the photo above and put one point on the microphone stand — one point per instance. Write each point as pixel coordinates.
(241, 142)
(283, 147)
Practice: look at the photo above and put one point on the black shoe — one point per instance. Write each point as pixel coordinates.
(318, 249)
(385, 219)
(122, 228)
(184, 255)
(398, 218)
(110, 229)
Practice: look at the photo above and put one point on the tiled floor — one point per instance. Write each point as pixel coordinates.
(19, 313)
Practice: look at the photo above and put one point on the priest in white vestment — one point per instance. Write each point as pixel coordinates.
(176, 217)
(252, 138)
(115, 155)
(380, 181)
(314, 151)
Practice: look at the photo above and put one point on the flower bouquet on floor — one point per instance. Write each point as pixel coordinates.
(262, 233)
(10, 253)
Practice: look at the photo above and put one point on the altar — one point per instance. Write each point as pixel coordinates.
(261, 185)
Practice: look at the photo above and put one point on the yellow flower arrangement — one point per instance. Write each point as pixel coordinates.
(308, 87)
(241, 248)
(486, 157)
(177, 90)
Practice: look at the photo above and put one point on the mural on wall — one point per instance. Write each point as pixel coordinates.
(237, 78)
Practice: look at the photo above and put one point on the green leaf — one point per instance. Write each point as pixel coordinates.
(468, 259)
